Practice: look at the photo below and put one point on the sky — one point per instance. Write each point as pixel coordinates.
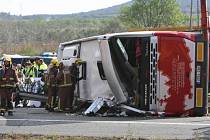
(31, 7)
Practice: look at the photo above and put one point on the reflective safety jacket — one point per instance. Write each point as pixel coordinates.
(42, 69)
(64, 78)
(51, 76)
(8, 78)
(43, 66)
(30, 71)
(36, 65)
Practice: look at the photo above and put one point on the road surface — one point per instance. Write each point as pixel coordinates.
(39, 121)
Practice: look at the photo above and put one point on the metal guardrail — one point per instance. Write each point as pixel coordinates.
(32, 96)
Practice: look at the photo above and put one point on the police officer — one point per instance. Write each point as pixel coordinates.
(52, 84)
(36, 62)
(65, 89)
(30, 70)
(8, 81)
(42, 68)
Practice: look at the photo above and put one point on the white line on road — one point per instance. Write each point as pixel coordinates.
(111, 122)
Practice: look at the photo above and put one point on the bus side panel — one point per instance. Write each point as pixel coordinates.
(93, 86)
(176, 69)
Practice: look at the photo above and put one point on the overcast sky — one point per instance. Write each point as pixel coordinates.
(30, 7)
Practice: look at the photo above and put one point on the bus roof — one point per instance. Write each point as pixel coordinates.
(188, 35)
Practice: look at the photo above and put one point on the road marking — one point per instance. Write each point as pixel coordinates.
(111, 122)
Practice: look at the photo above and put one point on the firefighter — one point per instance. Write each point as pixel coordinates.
(65, 89)
(52, 84)
(74, 72)
(8, 81)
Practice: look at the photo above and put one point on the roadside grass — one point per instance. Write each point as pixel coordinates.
(56, 137)
(51, 137)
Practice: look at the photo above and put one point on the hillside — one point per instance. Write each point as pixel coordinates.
(185, 6)
(30, 35)
(97, 14)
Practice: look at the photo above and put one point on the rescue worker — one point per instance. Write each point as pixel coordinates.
(21, 78)
(74, 72)
(30, 70)
(19, 71)
(36, 62)
(8, 81)
(65, 89)
(42, 68)
(51, 85)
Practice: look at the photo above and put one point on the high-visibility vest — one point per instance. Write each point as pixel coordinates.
(43, 66)
(42, 69)
(36, 65)
(30, 71)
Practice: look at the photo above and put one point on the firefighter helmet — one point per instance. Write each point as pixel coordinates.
(78, 61)
(8, 59)
(54, 62)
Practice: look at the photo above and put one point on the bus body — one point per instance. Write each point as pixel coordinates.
(162, 71)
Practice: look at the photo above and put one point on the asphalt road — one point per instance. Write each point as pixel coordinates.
(39, 121)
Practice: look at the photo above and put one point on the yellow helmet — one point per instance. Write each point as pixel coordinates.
(78, 61)
(8, 59)
(54, 62)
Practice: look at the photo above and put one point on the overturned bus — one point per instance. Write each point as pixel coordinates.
(163, 71)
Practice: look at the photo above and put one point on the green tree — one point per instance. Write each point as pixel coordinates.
(152, 13)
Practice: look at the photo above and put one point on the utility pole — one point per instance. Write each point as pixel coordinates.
(198, 14)
(205, 32)
(191, 7)
(204, 19)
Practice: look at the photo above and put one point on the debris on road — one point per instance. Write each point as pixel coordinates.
(106, 108)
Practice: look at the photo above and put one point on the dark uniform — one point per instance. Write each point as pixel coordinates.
(52, 87)
(65, 89)
(8, 81)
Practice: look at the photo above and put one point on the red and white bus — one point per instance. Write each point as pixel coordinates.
(161, 71)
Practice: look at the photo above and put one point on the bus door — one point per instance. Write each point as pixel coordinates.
(126, 66)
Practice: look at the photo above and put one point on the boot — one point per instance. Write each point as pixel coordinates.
(10, 113)
(2, 112)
